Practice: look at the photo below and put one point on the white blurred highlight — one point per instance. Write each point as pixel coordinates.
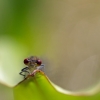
(10, 62)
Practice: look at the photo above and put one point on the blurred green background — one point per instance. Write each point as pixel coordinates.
(63, 33)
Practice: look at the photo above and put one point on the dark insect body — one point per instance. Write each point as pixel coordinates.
(33, 64)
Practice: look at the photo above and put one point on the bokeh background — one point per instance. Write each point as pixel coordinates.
(65, 34)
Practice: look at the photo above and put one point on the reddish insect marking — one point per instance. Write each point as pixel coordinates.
(39, 62)
(26, 61)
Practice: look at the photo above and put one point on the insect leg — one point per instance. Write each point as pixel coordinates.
(24, 70)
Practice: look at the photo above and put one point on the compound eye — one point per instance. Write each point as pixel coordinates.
(26, 61)
(39, 62)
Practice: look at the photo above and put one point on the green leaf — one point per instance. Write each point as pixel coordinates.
(39, 87)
